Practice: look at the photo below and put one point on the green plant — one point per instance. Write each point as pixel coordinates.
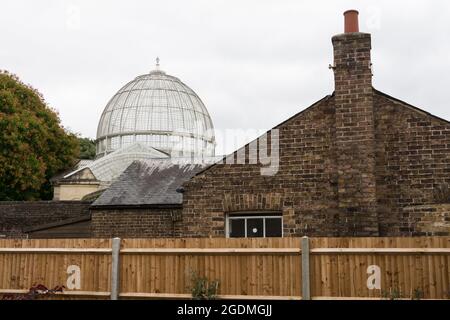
(392, 294)
(396, 293)
(202, 288)
(87, 148)
(417, 294)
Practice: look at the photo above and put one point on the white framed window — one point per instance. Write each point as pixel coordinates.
(254, 225)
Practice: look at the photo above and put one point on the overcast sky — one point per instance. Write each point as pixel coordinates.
(253, 63)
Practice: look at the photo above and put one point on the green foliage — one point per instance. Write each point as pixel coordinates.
(418, 294)
(396, 293)
(392, 294)
(87, 148)
(33, 144)
(202, 288)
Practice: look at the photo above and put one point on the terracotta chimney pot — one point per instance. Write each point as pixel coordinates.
(351, 21)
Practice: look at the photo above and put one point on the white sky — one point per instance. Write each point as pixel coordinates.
(254, 63)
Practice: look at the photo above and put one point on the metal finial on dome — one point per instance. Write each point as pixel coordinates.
(157, 69)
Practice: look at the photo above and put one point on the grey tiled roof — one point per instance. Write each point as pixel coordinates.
(149, 182)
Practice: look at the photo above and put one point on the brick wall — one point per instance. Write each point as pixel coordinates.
(134, 223)
(17, 215)
(304, 190)
(426, 220)
(413, 161)
(412, 167)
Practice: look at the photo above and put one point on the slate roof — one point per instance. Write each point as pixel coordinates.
(149, 183)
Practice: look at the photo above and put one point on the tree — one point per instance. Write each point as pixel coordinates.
(87, 148)
(33, 144)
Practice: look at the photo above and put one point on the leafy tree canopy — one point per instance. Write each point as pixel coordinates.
(87, 148)
(33, 144)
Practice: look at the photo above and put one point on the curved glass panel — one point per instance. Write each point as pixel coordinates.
(160, 111)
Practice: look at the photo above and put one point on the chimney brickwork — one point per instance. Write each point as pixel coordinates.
(355, 134)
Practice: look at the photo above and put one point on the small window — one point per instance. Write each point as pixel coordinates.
(254, 226)
(238, 227)
(274, 227)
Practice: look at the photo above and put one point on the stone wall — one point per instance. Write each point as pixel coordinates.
(73, 192)
(18, 215)
(134, 223)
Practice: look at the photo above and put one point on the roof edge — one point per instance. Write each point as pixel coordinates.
(409, 105)
(137, 206)
(57, 223)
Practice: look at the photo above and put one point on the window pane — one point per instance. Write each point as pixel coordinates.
(273, 227)
(237, 228)
(255, 228)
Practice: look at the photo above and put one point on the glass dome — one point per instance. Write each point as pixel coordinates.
(159, 111)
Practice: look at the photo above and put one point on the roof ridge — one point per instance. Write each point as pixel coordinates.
(409, 105)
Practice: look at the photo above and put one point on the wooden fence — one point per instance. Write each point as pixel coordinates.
(283, 268)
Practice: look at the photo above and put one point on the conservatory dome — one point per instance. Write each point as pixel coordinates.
(159, 111)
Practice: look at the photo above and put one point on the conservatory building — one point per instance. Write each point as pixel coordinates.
(155, 116)
(159, 111)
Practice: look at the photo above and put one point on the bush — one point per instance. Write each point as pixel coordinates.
(202, 288)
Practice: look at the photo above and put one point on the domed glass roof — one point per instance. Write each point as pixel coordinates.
(160, 111)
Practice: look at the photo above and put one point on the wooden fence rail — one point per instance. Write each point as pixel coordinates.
(272, 268)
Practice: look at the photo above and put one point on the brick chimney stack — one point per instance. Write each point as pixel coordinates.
(355, 137)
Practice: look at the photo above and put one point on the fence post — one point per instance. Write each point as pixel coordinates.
(306, 294)
(115, 271)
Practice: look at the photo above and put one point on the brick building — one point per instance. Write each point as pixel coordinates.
(356, 163)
